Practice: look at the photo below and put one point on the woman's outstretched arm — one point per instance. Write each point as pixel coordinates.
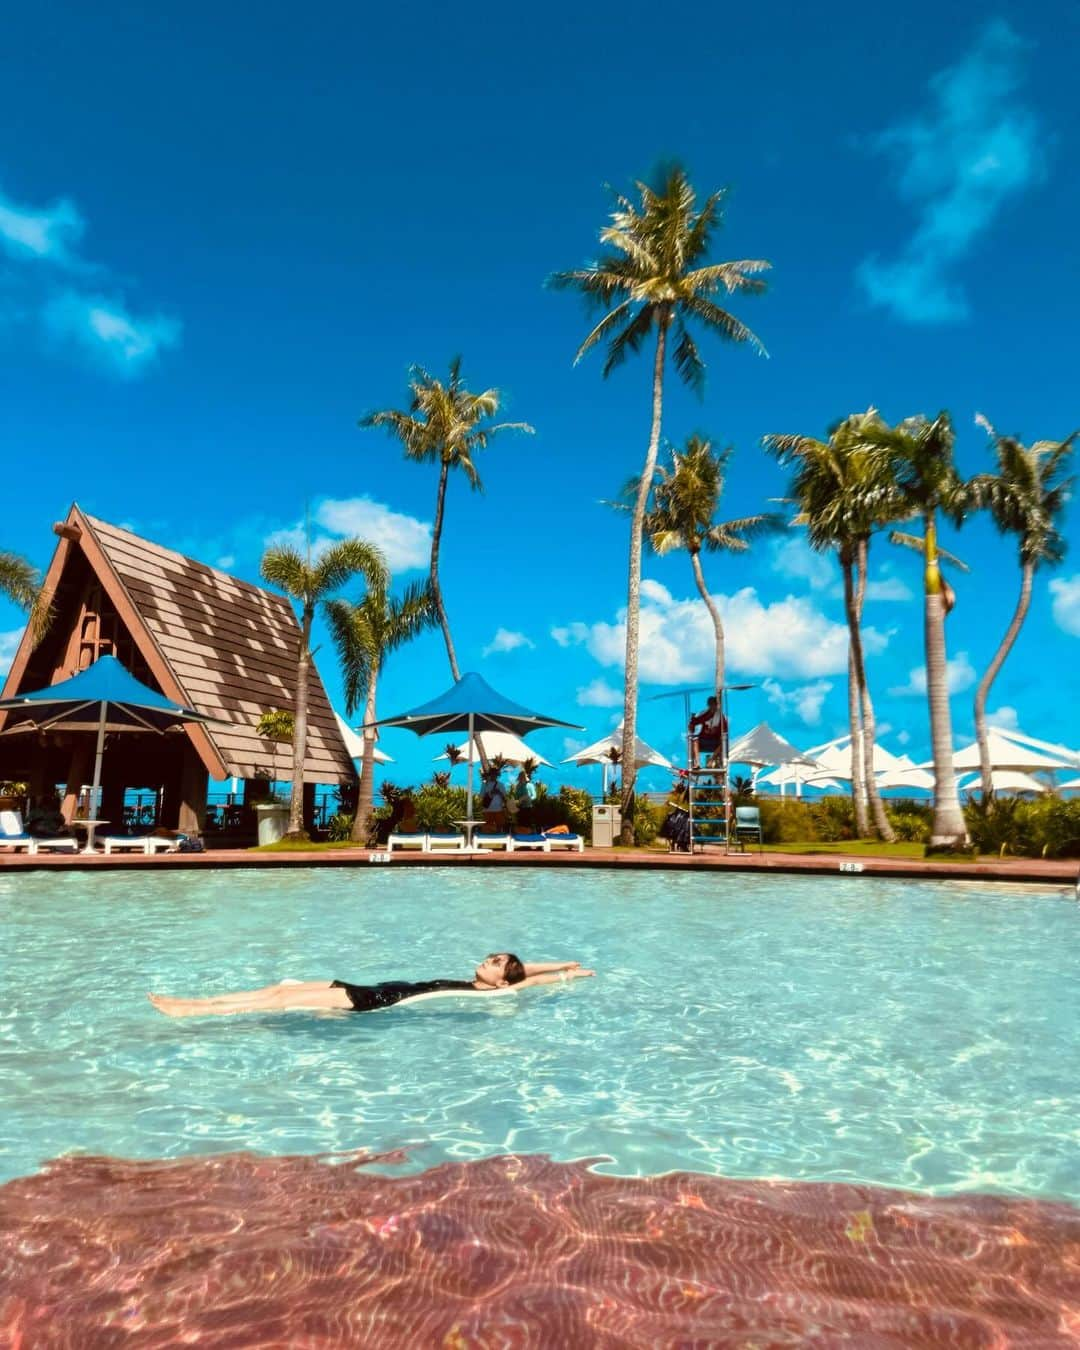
(543, 967)
(554, 976)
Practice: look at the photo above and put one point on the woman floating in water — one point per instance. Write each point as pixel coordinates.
(500, 971)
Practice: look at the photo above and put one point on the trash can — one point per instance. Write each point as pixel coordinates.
(273, 820)
(606, 825)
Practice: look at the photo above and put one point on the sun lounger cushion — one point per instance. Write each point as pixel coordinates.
(530, 841)
(451, 842)
(571, 841)
(407, 841)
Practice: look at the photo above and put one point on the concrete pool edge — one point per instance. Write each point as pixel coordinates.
(1027, 870)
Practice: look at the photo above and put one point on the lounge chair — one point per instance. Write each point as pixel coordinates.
(493, 841)
(406, 841)
(139, 843)
(529, 841)
(12, 834)
(747, 825)
(571, 841)
(445, 843)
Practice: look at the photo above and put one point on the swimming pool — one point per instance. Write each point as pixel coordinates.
(851, 1030)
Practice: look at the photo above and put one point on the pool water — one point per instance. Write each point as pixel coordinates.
(829, 1029)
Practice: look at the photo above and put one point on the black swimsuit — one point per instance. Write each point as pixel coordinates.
(368, 997)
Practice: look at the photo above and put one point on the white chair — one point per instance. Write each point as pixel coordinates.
(493, 842)
(12, 834)
(522, 842)
(406, 841)
(573, 842)
(445, 843)
(148, 844)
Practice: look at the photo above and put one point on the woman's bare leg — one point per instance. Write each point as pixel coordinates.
(272, 998)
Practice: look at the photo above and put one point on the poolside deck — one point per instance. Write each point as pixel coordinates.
(1031, 870)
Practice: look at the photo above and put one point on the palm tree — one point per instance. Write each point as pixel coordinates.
(307, 583)
(1026, 498)
(365, 634)
(844, 491)
(20, 582)
(649, 280)
(920, 451)
(447, 425)
(685, 500)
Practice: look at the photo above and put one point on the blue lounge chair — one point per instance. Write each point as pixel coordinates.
(527, 841)
(445, 843)
(571, 841)
(403, 841)
(12, 834)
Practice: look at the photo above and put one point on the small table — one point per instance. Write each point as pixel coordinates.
(468, 826)
(89, 826)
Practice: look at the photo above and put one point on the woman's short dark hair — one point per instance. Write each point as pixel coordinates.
(513, 971)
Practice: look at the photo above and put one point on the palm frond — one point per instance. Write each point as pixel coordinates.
(722, 323)
(917, 544)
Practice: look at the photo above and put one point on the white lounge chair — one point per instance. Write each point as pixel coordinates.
(406, 841)
(571, 841)
(12, 834)
(445, 843)
(493, 841)
(148, 844)
(523, 842)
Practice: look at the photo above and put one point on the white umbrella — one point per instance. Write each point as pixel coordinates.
(354, 743)
(1008, 754)
(912, 779)
(836, 757)
(600, 753)
(1073, 785)
(495, 743)
(763, 746)
(1005, 780)
(1049, 747)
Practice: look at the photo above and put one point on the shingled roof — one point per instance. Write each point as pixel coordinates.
(211, 641)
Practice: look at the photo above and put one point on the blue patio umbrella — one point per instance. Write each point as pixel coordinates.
(472, 705)
(105, 697)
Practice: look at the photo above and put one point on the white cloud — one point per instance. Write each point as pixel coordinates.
(507, 641)
(600, 694)
(9, 645)
(805, 701)
(106, 333)
(571, 745)
(42, 242)
(888, 588)
(225, 562)
(1004, 717)
(1066, 593)
(975, 147)
(959, 675)
(404, 540)
(904, 737)
(794, 557)
(788, 638)
(46, 232)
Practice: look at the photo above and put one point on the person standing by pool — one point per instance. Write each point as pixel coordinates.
(501, 970)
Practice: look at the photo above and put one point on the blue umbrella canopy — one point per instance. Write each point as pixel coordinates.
(471, 705)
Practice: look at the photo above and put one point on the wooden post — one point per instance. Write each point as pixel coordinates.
(194, 784)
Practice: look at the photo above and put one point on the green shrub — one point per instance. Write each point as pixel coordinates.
(647, 821)
(438, 806)
(785, 822)
(1047, 828)
(571, 807)
(339, 827)
(833, 819)
(910, 820)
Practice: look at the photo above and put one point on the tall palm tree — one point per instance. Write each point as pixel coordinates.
(685, 501)
(365, 634)
(1026, 498)
(844, 491)
(21, 584)
(650, 280)
(445, 424)
(920, 450)
(307, 582)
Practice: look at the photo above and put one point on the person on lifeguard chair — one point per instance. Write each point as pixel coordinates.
(708, 735)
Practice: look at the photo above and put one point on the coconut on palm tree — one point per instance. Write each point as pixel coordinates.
(21, 583)
(365, 634)
(685, 501)
(1026, 498)
(447, 425)
(308, 582)
(653, 279)
(844, 490)
(920, 451)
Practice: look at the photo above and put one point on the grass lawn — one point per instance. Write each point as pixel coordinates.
(289, 846)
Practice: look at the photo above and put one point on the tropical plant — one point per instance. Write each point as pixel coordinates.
(453, 754)
(307, 582)
(844, 490)
(1026, 498)
(685, 501)
(445, 424)
(651, 280)
(365, 635)
(21, 584)
(923, 470)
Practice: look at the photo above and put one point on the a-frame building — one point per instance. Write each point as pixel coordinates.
(199, 636)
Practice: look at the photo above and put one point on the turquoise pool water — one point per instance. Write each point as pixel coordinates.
(846, 1029)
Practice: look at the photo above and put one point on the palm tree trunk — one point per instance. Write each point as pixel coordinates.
(1027, 576)
(858, 762)
(436, 589)
(300, 716)
(948, 829)
(633, 590)
(877, 806)
(714, 614)
(365, 797)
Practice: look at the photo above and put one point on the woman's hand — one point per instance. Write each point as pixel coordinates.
(575, 972)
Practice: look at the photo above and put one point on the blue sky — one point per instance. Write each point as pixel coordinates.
(226, 232)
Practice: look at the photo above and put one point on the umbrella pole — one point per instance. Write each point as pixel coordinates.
(468, 790)
(97, 760)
